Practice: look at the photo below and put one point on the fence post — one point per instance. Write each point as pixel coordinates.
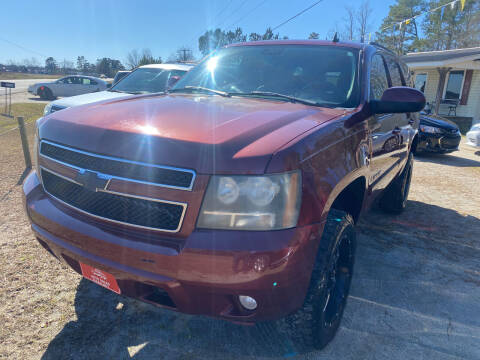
(23, 136)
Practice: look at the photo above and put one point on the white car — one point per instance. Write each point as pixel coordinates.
(68, 86)
(473, 136)
(144, 80)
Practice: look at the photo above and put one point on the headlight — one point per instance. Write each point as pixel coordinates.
(47, 109)
(268, 202)
(430, 129)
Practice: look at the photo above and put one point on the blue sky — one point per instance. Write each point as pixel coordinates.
(65, 29)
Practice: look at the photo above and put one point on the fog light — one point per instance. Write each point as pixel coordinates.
(247, 302)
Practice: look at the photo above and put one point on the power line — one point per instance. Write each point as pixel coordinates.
(300, 13)
(23, 47)
(221, 11)
(233, 12)
(248, 13)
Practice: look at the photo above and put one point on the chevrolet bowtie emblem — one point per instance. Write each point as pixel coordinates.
(91, 180)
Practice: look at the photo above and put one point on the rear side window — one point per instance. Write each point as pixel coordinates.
(378, 77)
(394, 71)
(87, 81)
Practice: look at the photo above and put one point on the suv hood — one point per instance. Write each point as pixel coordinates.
(210, 134)
(88, 98)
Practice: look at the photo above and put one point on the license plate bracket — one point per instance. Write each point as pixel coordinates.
(100, 277)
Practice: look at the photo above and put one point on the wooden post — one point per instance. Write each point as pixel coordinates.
(23, 137)
(441, 85)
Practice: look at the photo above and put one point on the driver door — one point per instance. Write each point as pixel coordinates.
(384, 134)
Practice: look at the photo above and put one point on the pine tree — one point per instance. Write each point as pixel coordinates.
(405, 37)
(452, 28)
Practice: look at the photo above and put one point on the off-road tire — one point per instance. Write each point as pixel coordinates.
(309, 327)
(394, 198)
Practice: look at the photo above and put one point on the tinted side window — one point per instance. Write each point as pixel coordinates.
(394, 71)
(378, 78)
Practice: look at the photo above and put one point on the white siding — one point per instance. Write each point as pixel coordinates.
(472, 109)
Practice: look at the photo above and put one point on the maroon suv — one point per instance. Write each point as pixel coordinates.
(234, 195)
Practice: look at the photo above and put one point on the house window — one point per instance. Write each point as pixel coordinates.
(421, 82)
(453, 90)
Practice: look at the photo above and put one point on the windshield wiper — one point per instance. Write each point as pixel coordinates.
(201, 88)
(279, 96)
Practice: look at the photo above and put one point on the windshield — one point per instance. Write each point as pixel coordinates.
(321, 74)
(146, 80)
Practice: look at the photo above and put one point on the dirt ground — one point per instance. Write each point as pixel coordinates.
(415, 292)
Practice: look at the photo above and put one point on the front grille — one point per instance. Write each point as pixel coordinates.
(159, 175)
(157, 215)
(450, 143)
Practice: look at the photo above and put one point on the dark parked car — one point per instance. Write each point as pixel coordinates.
(436, 135)
(236, 194)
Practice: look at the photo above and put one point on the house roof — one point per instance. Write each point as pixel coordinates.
(445, 55)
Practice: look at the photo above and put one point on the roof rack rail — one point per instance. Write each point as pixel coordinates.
(381, 46)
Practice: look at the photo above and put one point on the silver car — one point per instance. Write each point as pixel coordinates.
(143, 80)
(473, 136)
(68, 86)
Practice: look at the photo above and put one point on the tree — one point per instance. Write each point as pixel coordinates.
(364, 13)
(254, 37)
(211, 40)
(350, 23)
(451, 28)
(214, 39)
(269, 35)
(402, 39)
(50, 65)
(108, 67)
(133, 59)
(148, 58)
(82, 65)
(66, 66)
(314, 35)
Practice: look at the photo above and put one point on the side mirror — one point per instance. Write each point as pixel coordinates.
(109, 86)
(172, 81)
(399, 99)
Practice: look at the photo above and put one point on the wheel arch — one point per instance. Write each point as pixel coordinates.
(349, 197)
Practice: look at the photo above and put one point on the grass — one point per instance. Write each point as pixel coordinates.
(16, 76)
(29, 111)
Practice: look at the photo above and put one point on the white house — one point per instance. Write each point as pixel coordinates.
(450, 80)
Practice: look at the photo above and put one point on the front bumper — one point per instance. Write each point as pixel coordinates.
(438, 143)
(201, 274)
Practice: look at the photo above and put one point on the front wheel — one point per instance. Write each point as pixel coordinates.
(394, 198)
(315, 324)
(48, 94)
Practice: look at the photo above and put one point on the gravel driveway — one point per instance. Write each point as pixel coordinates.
(415, 292)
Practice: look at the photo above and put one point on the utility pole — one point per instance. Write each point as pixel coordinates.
(182, 54)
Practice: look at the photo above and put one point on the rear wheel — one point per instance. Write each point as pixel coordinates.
(316, 323)
(394, 198)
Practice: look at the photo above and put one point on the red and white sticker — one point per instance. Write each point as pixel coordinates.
(100, 277)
